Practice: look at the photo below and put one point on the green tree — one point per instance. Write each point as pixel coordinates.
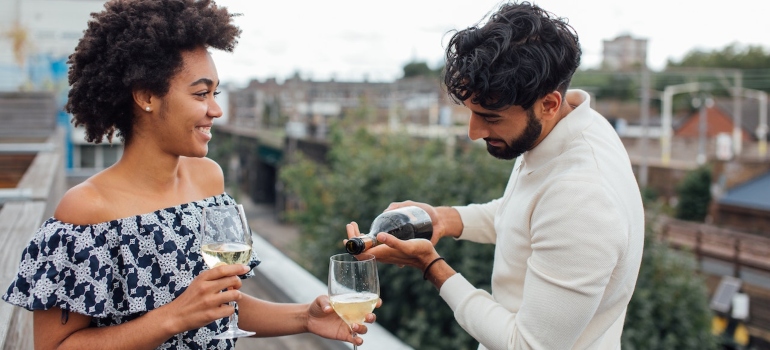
(621, 86)
(669, 308)
(731, 56)
(694, 195)
(753, 61)
(419, 68)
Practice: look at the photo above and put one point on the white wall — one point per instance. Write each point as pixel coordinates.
(53, 29)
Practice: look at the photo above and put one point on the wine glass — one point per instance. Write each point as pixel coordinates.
(226, 239)
(354, 287)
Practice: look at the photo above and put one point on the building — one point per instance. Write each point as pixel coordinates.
(306, 108)
(718, 129)
(39, 36)
(624, 53)
(719, 119)
(746, 206)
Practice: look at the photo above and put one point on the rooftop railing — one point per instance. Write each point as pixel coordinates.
(22, 209)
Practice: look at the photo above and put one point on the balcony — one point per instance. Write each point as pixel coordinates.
(33, 180)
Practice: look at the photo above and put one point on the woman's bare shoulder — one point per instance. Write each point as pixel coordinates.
(83, 204)
(205, 174)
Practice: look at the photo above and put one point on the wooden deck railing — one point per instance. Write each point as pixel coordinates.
(742, 251)
(42, 185)
(738, 248)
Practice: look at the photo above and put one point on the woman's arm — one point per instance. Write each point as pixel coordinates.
(200, 304)
(269, 319)
(51, 332)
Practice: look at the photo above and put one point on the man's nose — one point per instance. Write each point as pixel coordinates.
(476, 128)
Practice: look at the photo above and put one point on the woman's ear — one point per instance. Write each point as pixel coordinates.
(143, 100)
(551, 104)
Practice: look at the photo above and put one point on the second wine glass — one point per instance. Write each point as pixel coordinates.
(354, 287)
(226, 239)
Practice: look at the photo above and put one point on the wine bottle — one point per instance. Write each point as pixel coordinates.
(403, 223)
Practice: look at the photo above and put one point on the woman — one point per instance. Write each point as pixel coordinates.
(120, 257)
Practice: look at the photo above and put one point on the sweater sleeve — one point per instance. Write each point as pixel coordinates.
(479, 221)
(578, 237)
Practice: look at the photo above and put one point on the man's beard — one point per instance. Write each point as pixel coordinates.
(518, 146)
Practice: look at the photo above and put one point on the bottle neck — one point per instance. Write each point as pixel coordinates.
(360, 244)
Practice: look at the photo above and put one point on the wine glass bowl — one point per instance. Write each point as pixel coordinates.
(226, 239)
(354, 287)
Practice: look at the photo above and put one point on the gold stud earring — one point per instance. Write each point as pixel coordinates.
(147, 108)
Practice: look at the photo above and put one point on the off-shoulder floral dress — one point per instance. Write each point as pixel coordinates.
(118, 270)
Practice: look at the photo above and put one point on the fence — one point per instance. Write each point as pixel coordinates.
(747, 255)
(24, 207)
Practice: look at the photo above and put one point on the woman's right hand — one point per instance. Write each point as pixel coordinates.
(204, 301)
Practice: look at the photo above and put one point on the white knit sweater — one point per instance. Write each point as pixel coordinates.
(568, 235)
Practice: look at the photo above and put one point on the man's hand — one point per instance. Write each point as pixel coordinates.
(439, 229)
(414, 252)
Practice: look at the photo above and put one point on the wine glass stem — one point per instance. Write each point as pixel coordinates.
(355, 344)
(234, 316)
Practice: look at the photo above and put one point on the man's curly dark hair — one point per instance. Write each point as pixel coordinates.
(135, 45)
(521, 54)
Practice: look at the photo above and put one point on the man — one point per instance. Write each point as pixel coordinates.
(569, 227)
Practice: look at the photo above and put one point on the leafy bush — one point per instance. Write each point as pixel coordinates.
(669, 308)
(694, 195)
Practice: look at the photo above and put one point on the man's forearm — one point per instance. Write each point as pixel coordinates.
(453, 223)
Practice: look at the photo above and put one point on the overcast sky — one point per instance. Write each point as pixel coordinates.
(352, 39)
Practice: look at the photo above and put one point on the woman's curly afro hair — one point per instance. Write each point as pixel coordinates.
(521, 54)
(137, 44)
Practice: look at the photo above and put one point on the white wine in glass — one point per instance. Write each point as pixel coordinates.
(354, 287)
(226, 239)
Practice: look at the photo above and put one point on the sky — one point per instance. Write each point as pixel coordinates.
(352, 40)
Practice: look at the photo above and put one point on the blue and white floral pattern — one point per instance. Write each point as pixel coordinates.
(118, 270)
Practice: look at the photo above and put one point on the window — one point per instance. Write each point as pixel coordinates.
(95, 157)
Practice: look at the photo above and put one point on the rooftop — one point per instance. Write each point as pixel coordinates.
(753, 194)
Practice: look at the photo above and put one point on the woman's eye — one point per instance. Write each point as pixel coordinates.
(203, 94)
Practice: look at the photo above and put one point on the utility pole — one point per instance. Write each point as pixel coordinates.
(703, 103)
(737, 113)
(645, 116)
(762, 129)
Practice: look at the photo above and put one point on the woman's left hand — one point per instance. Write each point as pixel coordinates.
(323, 321)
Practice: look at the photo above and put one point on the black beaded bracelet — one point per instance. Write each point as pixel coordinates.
(425, 273)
